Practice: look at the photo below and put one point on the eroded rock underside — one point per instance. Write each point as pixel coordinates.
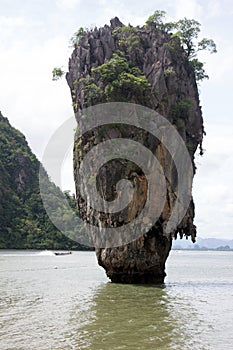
(167, 85)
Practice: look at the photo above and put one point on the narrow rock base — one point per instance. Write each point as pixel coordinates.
(140, 262)
(137, 278)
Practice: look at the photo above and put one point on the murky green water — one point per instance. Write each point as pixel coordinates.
(66, 302)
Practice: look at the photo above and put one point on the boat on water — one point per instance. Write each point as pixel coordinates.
(62, 253)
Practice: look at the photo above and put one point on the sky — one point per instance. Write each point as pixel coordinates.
(35, 38)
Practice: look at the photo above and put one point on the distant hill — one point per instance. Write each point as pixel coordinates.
(203, 244)
(24, 222)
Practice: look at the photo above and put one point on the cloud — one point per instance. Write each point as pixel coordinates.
(11, 22)
(219, 8)
(12, 27)
(35, 103)
(189, 9)
(214, 8)
(220, 65)
(68, 4)
(213, 190)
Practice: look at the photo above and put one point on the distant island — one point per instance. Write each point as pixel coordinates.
(204, 244)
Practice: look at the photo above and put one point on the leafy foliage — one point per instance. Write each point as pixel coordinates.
(207, 44)
(24, 222)
(181, 109)
(169, 72)
(77, 36)
(93, 94)
(199, 69)
(157, 20)
(57, 73)
(111, 70)
(128, 39)
(187, 30)
(121, 81)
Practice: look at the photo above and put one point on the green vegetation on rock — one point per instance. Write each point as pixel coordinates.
(181, 109)
(187, 30)
(24, 222)
(122, 81)
(77, 36)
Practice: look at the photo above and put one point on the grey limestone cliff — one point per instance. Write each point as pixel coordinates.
(166, 82)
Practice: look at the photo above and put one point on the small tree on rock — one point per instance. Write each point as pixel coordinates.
(187, 30)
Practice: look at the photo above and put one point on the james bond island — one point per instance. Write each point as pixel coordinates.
(153, 66)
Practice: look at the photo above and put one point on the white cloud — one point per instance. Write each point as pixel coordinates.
(35, 103)
(11, 22)
(228, 209)
(220, 68)
(68, 4)
(13, 27)
(214, 8)
(218, 8)
(213, 190)
(189, 9)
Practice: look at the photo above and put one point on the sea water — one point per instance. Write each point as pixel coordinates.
(67, 302)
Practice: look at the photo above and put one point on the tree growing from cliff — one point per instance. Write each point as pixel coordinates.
(77, 36)
(122, 81)
(188, 31)
(157, 20)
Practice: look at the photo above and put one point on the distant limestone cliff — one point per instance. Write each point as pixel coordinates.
(24, 222)
(149, 67)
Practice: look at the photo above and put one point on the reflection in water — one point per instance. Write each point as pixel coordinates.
(73, 306)
(135, 317)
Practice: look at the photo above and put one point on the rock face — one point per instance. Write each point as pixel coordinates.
(166, 83)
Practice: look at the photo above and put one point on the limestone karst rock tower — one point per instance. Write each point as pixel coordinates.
(148, 67)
